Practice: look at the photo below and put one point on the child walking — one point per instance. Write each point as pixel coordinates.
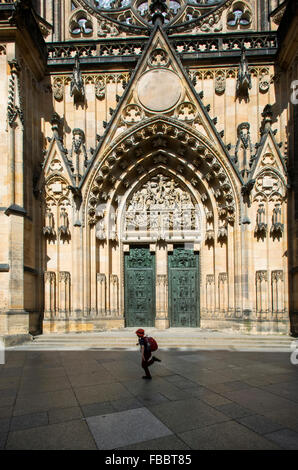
(147, 359)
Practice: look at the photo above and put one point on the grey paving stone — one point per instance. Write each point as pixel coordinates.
(175, 394)
(259, 424)
(43, 384)
(11, 372)
(9, 383)
(163, 443)
(229, 386)
(3, 438)
(180, 416)
(6, 412)
(4, 425)
(285, 438)
(126, 404)
(28, 421)
(257, 400)
(38, 402)
(226, 436)
(185, 384)
(101, 393)
(234, 410)
(126, 427)
(284, 389)
(60, 415)
(92, 378)
(73, 435)
(33, 373)
(206, 377)
(212, 399)
(174, 378)
(96, 409)
(287, 417)
(198, 357)
(151, 398)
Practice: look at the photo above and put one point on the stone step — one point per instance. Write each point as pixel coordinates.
(167, 339)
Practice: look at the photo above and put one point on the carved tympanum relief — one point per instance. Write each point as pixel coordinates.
(162, 208)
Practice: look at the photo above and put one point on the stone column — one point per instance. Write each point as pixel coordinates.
(277, 286)
(161, 320)
(210, 297)
(64, 294)
(161, 292)
(261, 292)
(93, 280)
(114, 295)
(50, 294)
(223, 292)
(101, 294)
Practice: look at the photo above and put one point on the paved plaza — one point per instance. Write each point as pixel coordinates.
(198, 399)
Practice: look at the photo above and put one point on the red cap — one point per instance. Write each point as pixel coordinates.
(140, 332)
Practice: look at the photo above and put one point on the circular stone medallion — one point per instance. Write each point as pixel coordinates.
(159, 90)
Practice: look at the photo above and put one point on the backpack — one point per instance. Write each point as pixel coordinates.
(152, 343)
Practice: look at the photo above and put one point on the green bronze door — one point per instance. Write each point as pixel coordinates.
(139, 287)
(183, 266)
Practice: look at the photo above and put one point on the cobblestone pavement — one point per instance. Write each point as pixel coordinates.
(95, 399)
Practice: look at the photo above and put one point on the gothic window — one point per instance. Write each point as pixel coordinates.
(80, 24)
(109, 4)
(143, 8)
(239, 16)
(174, 6)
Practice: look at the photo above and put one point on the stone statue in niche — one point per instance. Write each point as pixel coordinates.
(100, 90)
(244, 79)
(220, 83)
(77, 89)
(64, 224)
(261, 226)
(49, 228)
(277, 228)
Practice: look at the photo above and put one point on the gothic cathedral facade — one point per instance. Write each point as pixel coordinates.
(146, 156)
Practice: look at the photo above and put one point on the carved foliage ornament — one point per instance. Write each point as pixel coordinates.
(186, 111)
(159, 58)
(132, 114)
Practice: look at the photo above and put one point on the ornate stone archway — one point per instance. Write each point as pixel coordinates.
(160, 159)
